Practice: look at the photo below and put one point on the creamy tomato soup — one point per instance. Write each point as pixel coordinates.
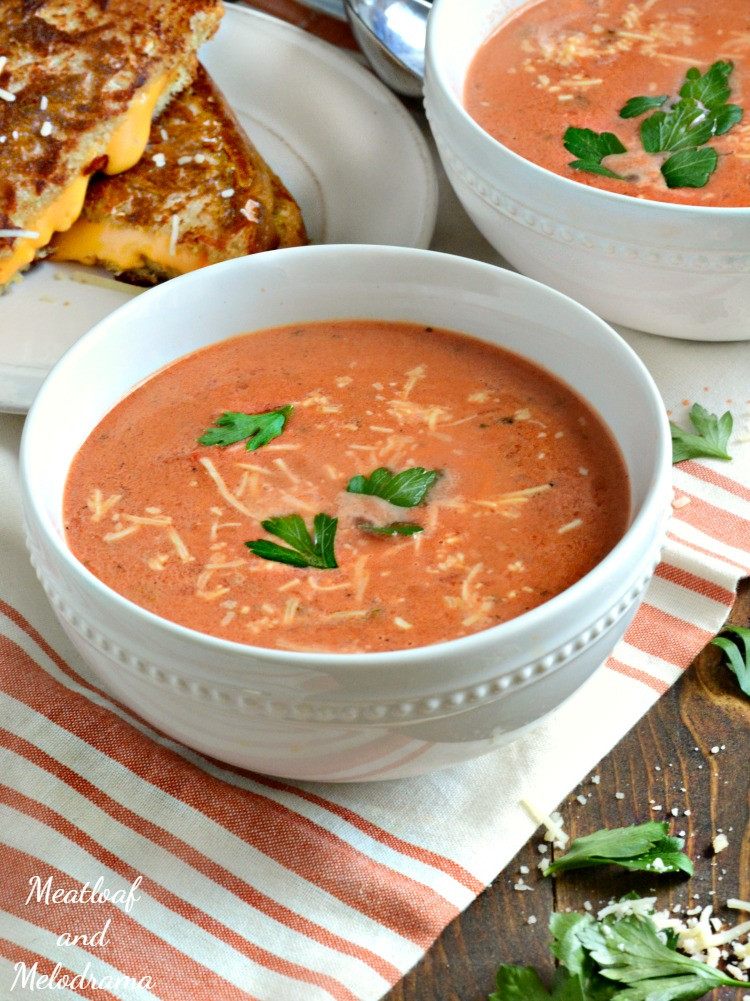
(527, 490)
(556, 64)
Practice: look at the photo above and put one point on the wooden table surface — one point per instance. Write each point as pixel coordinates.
(667, 752)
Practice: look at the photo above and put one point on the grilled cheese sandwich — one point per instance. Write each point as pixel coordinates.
(201, 193)
(79, 84)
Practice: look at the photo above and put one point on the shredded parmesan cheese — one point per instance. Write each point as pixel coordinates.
(179, 545)
(412, 378)
(720, 842)
(100, 507)
(174, 234)
(19, 234)
(250, 210)
(120, 533)
(286, 470)
(552, 823)
(221, 486)
(290, 610)
(575, 523)
(137, 519)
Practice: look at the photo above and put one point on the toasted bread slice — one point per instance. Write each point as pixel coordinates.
(80, 81)
(200, 194)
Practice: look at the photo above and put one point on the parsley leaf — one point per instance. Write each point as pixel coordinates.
(685, 126)
(259, 429)
(681, 128)
(690, 168)
(710, 441)
(637, 847)
(519, 983)
(612, 959)
(700, 114)
(640, 105)
(405, 489)
(726, 117)
(591, 147)
(566, 945)
(737, 653)
(394, 528)
(630, 952)
(711, 88)
(316, 551)
(567, 948)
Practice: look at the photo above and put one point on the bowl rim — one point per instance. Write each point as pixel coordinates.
(652, 510)
(435, 74)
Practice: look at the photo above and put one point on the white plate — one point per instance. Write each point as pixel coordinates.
(349, 152)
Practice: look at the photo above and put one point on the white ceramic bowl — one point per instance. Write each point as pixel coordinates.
(675, 270)
(342, 716)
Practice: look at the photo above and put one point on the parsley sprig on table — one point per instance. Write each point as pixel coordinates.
(646, 847)
(737, 653)
(306, 551)
(682, 128)
(405, 489)
(614, 959)
(259, 429)
(710, 441)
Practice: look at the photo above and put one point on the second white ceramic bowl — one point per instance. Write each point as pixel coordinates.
(343, 716)
(675, 270)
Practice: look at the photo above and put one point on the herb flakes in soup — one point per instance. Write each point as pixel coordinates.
(647, 95)
(415, 485)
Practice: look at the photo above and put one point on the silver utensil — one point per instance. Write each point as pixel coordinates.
(391, 34)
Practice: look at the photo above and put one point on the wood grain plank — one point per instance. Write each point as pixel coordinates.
(667, 761)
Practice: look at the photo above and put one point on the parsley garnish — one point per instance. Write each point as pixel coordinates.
(395, 528)
(681, 128)
(690, 168)
(737, 653)
(259, 429)
(710, 441)
(316, 551)
(591, 147)
(712, 91)
(700, 114)
(521, 983)
(616, 959)
(630, 952)
(405, 489)
(636, 106)
(637, 847)
(684, 126)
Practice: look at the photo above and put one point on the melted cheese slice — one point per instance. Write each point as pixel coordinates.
(129, 139)
(124, 248)
(125, 149)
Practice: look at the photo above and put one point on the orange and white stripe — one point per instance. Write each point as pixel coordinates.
(252, 887)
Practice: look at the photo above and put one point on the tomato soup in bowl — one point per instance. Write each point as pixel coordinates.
(351, 513)
(602, 147)
(646, 99)
(453, 486)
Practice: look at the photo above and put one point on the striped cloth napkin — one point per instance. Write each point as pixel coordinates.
(134, 868)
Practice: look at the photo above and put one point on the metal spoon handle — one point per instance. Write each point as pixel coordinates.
(391, 34)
